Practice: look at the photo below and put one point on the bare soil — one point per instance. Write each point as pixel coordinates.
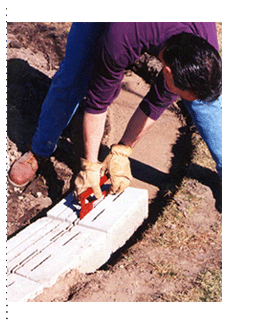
(176, 255)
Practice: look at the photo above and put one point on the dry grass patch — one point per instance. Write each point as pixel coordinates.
(189, 228)
(207, 287)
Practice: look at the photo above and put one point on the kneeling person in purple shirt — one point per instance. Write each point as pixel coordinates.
(97, 55)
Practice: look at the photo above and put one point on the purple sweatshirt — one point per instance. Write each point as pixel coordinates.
(122, 44)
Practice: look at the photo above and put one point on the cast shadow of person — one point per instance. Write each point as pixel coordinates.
(26, 90)
(210, 179)
(183, 167)
(204, 175)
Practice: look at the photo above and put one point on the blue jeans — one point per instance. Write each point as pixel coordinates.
(68, 86)
(207, 118)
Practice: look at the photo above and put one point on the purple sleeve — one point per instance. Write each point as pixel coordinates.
(157, 99)
(108, 71)
(105, 83)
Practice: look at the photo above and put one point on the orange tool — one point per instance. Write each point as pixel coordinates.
(87, 207)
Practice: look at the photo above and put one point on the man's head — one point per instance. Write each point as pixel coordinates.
(193, 68)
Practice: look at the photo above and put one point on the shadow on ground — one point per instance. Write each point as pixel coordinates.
(26, 91)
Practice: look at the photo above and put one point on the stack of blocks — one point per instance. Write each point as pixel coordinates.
(53, 245)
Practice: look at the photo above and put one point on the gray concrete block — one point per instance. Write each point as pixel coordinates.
(52, 246)
(58, 248)
(26, 234)
(119, 216)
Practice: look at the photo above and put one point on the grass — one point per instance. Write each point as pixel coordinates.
(201, 154)
(175, 231)
(172, 228)
(207, 287)
(167, 270)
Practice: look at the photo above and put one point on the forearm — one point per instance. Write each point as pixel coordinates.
(93, 129)
(136, 128)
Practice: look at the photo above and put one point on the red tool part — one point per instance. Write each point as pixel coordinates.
(87, 207)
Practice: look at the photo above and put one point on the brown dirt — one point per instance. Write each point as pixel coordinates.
(180, 241)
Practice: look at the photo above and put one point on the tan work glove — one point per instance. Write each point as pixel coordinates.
(118, 165)
(88, 177)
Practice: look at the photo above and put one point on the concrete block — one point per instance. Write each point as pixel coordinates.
(26, 233)
(52, 246)
(120, 218)
(80, 249)
(117, 215)
(65, 204)
(56, 249)
(68, 208)
(52, 251)
(25, 244)
(20, 289)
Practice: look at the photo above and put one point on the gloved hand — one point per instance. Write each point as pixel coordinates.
(88, 177)
(118, 165)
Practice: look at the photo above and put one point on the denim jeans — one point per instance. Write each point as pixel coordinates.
(207, 118)
(68, 86)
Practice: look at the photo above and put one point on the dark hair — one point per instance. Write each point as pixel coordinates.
(196, 65)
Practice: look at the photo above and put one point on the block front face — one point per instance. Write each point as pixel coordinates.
(53, 245)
